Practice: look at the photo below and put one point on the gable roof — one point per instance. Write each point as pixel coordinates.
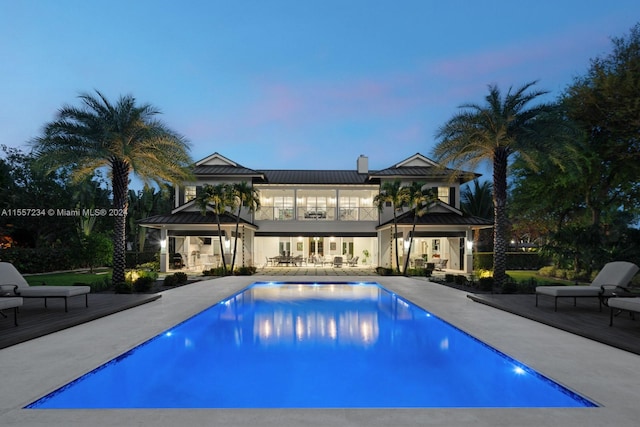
(423, 167)
(414, 167)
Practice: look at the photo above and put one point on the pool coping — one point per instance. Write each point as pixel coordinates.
(601, 373)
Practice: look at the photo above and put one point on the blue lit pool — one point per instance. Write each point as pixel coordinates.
(303, 345)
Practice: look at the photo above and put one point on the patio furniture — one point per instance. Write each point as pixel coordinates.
(337, 261)
(353, 261)
(418, 263)
(12, 281)
(613, 275)
(10, 302)
(440, 264)
(618, 304)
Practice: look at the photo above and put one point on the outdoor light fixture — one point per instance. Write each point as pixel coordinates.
(469, 244)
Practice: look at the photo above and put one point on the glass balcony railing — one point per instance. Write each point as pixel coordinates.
(270, 213)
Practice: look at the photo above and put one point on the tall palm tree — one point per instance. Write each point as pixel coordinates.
(219, 198)
(248, 197)
(124, 137)
(418, 198)
(392, 192)
(492, 132)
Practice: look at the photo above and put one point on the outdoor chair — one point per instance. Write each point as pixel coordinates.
(353, 261)
(613, 275)
(337, 261)
(441, 264)
(13, 283)
(10, 302)
(418, 263)
(617, 305)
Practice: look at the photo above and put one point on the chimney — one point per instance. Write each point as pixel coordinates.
(363, 164)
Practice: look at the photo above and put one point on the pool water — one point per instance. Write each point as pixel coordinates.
(303, 345)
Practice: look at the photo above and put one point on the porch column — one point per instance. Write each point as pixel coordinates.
(468, 252)
(164, 252)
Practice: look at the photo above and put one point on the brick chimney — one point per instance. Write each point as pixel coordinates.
(363, 164)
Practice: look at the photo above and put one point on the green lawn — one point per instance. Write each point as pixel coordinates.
(524, 275)
(69, 279)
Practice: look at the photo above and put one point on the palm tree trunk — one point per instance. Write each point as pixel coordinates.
(395, 239)
(120, 182)
(413, 230)
(224, 263)
(500, 218)
(235, 239)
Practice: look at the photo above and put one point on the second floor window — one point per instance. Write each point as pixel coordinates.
(189, 193)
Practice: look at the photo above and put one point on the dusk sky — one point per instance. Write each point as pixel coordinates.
(297, 84)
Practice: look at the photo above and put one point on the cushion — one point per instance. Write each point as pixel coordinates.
(10, 302)
(629, 304)
(569, 291)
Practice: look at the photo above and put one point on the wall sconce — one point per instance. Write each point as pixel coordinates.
(406, 243)
(469, 244)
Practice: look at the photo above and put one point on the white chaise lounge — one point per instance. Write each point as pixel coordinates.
(631, 305)
(613, 275)
(11, 280)
(11, 302)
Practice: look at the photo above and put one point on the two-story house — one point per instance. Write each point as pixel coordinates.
(317, 215)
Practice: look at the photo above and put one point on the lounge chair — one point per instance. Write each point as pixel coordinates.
(631, 305)
(613, 275)
(12, 280)
(10, 302)
(353, 261)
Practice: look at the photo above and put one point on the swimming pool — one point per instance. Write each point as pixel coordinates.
(312, 345)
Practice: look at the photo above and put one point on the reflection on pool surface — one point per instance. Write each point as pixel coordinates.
(303, 345)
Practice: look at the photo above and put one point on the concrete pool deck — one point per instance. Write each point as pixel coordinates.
(606, 375)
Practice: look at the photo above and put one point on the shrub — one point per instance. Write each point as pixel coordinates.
(245, 271)
(181, 278)
(170, 280)
(485, 283)
(384, 271)
(216, 271)
(428, 272)
(122, 288)
(510, 286)
(460, 279)
(143, 283)
(449, 278)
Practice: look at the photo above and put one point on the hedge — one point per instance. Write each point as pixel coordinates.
(515, 261)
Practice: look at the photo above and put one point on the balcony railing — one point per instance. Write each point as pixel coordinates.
(271, 213)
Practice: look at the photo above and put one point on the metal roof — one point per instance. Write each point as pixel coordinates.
(191, 218)
(350, 177)
(440, 218)
(225, 170)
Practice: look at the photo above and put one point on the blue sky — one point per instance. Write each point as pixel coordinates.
(298, 84)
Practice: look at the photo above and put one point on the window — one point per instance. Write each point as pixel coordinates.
(443, 194)
(189, 193)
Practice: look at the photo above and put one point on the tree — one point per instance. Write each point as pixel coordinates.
(605, 105)
(477, 200)
(418, 198)
(124, 137)
(494, 131)
(218, 198)
(392, 192)
(245, 196)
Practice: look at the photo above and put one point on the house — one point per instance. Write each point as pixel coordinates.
(318, 214)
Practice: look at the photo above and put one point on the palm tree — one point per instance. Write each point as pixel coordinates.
(393, 193)
(492, 132)
(419, 199)
(219, 198)
(245, 196)
(123, 137)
